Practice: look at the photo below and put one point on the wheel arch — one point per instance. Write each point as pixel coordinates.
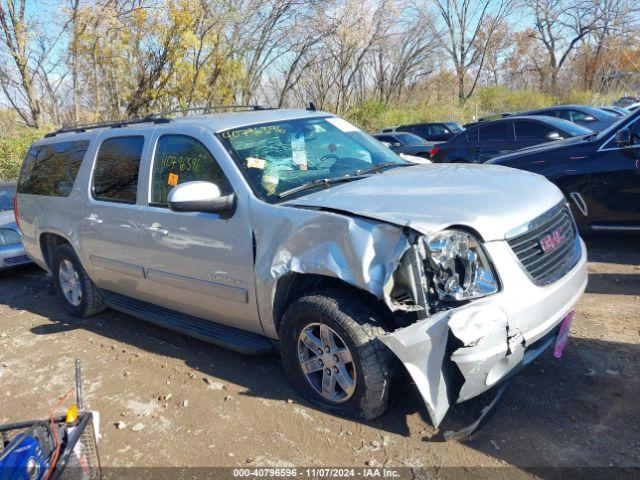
(293, 285)
(49, 241)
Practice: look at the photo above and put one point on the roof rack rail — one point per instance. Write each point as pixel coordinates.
(110, 124)
(211, 108)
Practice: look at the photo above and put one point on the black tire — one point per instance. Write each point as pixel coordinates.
(356, 324)
(91, 302)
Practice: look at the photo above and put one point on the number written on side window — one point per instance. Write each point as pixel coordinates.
(51, 169)
(179, 159)
(115, 177)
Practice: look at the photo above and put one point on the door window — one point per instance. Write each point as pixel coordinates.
(493, 131)
(635, 133)
(179, 159)
(115, 178)
(438, 129)
(531, 130)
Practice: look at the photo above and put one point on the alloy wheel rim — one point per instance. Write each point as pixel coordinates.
(326, 362)
(70, 282)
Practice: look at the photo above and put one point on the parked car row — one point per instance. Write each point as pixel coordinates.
(592, 154)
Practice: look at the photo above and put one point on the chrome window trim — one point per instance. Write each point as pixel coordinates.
(530, 225)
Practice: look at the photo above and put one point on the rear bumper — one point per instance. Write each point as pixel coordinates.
(13, 256)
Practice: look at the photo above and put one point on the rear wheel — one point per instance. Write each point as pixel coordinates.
(331, 352)
(80, 295)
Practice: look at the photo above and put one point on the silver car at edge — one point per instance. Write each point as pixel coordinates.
(12, 253)
(293, 229)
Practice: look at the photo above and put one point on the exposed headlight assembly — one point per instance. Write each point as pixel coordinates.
(8, 237)
(461, 268)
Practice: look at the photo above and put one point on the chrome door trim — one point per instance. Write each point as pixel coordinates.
(117, 266)
(235, 294)
(580, 203)
(616, 228)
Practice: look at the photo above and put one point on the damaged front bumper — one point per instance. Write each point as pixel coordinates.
(494, 335)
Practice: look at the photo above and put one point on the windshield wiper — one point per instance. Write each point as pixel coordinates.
(380, 166)
(321, 182)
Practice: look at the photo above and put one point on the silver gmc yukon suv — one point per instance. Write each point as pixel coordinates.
(295, 230)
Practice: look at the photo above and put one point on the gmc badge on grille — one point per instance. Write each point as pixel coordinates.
(552, 241)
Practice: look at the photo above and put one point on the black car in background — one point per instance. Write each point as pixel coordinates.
(485, 140)
(590, 117)
(408, 143)
(433, 132)
(598, 173)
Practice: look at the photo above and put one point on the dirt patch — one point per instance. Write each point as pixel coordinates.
(182, 402)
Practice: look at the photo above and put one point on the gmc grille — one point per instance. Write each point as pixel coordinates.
(546, 267)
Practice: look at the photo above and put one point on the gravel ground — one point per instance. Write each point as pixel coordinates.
(182, 402)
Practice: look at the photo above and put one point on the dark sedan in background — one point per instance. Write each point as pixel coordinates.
(485, 140)
(598, 173)
(433, 132)
(407, 143)
(590, 117)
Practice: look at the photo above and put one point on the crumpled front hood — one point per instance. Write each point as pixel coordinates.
(490, 199)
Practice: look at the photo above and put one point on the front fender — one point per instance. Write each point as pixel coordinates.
(361, 252)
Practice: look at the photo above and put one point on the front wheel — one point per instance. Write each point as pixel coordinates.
(331, 352)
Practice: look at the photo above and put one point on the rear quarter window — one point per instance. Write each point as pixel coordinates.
(51, 169)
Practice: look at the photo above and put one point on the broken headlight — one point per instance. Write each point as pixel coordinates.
(461, 268)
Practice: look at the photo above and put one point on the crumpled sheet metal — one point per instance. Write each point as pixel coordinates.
(421, 348)
(485, 335)
(361, 252)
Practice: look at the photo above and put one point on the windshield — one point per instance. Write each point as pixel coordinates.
(6, 197)
(409, 139)
(454, 127)
(276, 157)
(573, 129)
(596, 112)
(611, 129)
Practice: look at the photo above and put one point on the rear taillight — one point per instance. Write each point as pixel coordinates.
(433, 151)
(15, 210)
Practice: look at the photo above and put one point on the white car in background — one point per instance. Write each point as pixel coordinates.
(11, 251)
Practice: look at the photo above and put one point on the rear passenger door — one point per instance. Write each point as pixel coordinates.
(200, 264)
(110, 228)
(494, 138)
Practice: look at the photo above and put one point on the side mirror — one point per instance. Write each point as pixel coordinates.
(553, 135)
(623, 137)
(589, 118)
(199, 197)
(396, 144)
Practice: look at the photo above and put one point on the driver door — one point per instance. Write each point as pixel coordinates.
(196, 263)
(615, 183)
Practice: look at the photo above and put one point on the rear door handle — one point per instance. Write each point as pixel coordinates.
(157, 228)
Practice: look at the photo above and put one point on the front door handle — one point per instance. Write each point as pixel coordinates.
(157, 228)
(93, 219)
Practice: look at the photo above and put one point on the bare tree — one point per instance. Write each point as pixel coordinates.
(559, 26)
(16, 40)
(469, 28)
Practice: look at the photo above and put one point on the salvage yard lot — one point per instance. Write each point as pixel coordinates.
(182, 402)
